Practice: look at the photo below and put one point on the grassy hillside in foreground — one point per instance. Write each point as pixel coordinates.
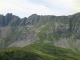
(50, 52)
(17, 53)
(38, 52)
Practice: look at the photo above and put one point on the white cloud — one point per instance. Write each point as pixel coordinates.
(76, 5)
(24, 8)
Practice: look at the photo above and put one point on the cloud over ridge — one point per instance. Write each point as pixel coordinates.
(24, 8)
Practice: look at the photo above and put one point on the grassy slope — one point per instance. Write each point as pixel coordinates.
(38, 52)
(50, 52)
(42, 34)
(17, 53)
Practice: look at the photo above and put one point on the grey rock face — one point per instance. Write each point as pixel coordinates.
(25, 38)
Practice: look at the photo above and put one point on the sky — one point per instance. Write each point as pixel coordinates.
(25, 8)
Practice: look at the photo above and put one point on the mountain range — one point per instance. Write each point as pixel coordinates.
(41, 35)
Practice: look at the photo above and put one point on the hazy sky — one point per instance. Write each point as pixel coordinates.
(24, 8)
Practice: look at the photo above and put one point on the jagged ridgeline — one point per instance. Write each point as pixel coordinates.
(61, 31)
